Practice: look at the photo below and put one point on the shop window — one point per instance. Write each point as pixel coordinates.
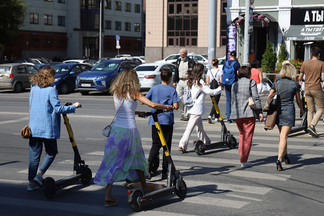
(118, 25)
(108, 24)
(108, 4)
(118, 6)
(128, 7)
(48, 19)
(61, 20)
(33, 18)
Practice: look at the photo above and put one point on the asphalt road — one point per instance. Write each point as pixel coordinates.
(217, 185)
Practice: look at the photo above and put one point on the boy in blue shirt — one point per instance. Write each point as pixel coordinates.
(167, 95)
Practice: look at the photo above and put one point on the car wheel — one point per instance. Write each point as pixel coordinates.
(84, 92)
(17, 87)
(64, 88)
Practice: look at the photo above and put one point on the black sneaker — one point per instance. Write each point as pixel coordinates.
(164, 175)
(312, 131)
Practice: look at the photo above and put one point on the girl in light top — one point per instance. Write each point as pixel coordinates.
(124, 155)
(199, 90)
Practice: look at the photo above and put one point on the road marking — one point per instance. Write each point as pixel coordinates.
(14, 121)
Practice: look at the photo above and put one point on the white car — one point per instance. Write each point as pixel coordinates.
(196, 57)
(221, 62)
(83, 61)
(149, 74)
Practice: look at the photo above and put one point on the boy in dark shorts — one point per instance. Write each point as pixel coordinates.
(167, 95)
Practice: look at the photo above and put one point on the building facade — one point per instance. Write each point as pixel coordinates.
(294, 23)
(70, 29)
(173, 24)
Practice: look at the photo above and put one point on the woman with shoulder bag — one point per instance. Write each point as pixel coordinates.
(124, 155)
(243, 114)
(213, 80)
(44, 123)
(287, 88)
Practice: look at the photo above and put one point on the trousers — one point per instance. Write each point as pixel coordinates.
(314, 97)
(246, 127)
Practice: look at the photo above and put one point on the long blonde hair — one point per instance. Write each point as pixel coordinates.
(287, 70)
(43, 78)
(126, 84)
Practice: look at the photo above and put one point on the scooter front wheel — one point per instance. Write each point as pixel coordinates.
(181, 189)
(49, 187)
(199, 149)
(86, 175)
(135, 200)
(231, 141)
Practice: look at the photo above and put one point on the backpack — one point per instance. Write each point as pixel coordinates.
(187, 98)
(229, 75)
(214, 84)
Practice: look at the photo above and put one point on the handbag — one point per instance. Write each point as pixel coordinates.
(107, 130)
(26, 132)
(270, 121)
(251, 101)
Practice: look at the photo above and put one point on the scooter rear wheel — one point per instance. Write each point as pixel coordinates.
(199, 147)
(86, 175)
(135, 204)
(49, 187)
(181, 189)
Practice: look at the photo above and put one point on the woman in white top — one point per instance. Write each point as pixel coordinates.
(214, 74)
(124, 155)
(199, 90)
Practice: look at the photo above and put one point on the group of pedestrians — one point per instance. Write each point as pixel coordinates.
(123, 153)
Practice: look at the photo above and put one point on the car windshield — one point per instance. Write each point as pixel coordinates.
(221, 61)
(145, 68)
(105, 66)
(173, 57)
(59, 69)
(4, 69)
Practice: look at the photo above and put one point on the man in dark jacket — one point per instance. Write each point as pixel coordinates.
(184, 66)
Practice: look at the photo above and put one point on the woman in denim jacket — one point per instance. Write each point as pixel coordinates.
(45, 123)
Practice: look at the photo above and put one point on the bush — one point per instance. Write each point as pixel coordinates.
(282, 56)
(269, 59)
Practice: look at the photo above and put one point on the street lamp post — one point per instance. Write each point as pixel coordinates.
(100, 25)
(246, 32)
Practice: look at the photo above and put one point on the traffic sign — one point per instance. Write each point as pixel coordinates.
(117, 37)
(117, 44)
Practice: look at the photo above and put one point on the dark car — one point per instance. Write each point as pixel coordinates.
(100, 77)
(66, 74)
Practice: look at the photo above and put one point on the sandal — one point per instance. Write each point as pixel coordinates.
(182, 150)
(111, 202)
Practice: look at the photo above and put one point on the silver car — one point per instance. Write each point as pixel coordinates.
(15, 76)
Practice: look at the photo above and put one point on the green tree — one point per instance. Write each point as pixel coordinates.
(269, 59)
(12, 13)
(282, 56)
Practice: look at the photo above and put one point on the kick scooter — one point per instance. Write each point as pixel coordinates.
(82, 171)
(226, 137)
(175, 183)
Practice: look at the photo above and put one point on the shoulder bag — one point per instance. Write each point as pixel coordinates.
(251, 101)
(272, 113)
(107, 130)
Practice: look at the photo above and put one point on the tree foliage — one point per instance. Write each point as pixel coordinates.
(269, 59)
(282, 56)
(12, 13)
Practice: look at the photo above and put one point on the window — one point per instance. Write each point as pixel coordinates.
(61, 1)
(127, 26)
(48, 19)
(128, 7)
(108, 24)
(137, 8)
(33, 18)
(182, 23)
(61, 20)
(118, 6)
(118, 25)
(137, 27)
(108, 4)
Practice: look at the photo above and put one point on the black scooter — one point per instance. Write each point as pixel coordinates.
(303, 124)
(175, 183)
(82, 171)
(226, 137)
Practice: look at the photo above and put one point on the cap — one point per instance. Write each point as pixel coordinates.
(233, 53)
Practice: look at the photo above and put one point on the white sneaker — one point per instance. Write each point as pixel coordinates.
(246, 164)
(209, 120)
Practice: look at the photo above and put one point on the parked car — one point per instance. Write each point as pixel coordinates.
(122, 55)
(15, 76)
(100, 77)
(66, 74)
(196, 57)
(221, 62)
(83, 61)
(149, 74)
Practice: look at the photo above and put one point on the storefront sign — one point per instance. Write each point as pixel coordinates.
(307, 16)
(305, 32)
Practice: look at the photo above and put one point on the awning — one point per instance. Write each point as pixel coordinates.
(305, 32)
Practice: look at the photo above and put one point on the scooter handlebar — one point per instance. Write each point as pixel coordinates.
(145, 114)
